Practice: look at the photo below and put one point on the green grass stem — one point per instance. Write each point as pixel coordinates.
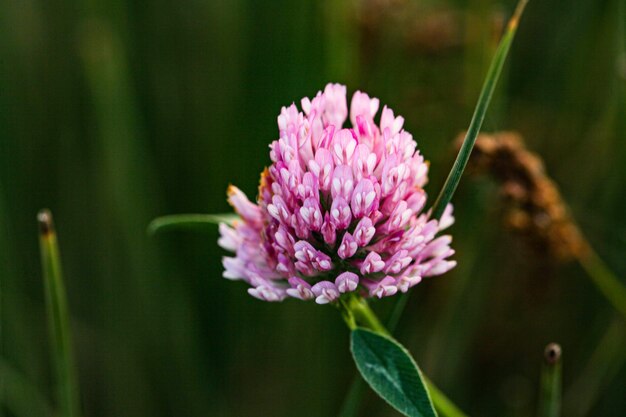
(58, 318)
(493, 74)
(189, 222)
(605, 281)
(601, 368)
(550, 394)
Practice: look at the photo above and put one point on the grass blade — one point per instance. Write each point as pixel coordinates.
(550, 395)
(604, 364)
(604, 280)
(352, 402)
(445, 195)
(58, 318)
(189, 222)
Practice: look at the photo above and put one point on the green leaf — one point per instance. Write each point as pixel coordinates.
(58, 318)
(445, 195)
(190, 222)
(391, 371)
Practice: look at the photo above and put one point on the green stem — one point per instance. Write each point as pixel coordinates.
(356, 391)
(357, 312)
(396, 312)
(189, 222)
(352, 402)
(550, 395)
(59, 320)
(604, 279)
(601, 368)
(491, 80)
(444, 406)
(363, 315)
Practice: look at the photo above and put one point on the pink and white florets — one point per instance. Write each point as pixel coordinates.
(339, 210)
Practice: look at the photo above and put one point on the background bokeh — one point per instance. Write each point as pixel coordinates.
(113, 112)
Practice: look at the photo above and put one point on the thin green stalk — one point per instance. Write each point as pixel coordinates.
(58, 319)
(352, 402)
(189, 222)
(362, 315)
(396, 312)
(444, 406)
(550, 395)
(604, 279)
(479, 113)
(357, 312)
(605, 363)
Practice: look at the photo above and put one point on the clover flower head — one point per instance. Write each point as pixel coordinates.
(339, 210)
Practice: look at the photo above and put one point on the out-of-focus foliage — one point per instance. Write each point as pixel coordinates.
(115, 112)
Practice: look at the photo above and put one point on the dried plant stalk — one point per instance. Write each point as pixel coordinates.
(534, 207)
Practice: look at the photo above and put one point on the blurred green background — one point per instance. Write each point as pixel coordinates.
(113, 112)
